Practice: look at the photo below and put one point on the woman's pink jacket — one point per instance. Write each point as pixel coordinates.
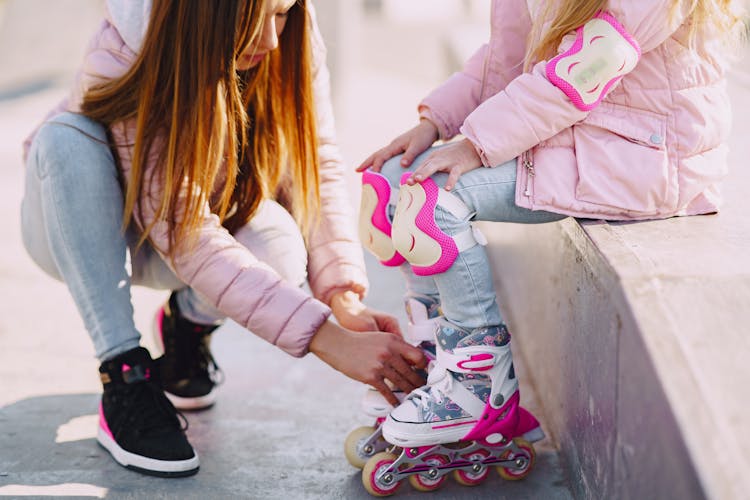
(219, 267)
(655, 147)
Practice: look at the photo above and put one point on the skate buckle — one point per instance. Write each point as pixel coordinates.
(478, 362)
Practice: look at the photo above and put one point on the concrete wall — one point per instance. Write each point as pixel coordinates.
(578, 335)
(636, 339)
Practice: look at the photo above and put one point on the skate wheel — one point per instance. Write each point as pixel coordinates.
(429, 480)
(524, 461)
(355, 454)
(385, 486)
(477, 474)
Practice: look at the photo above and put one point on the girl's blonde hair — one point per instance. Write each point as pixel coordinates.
(198, 115)
(567, 15)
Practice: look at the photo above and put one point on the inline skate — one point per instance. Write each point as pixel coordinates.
(465, 421)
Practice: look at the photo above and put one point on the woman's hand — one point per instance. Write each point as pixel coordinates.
(411, 143)
(351, 313)
(370, 357)
(455, 159)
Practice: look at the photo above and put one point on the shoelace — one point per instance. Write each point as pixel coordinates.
(152, 412)
(195, 356)
(215, 374)
(439, 384)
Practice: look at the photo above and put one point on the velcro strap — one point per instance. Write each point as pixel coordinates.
(453, 204)
(468, 360)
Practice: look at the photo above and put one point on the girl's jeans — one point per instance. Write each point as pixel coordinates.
(466, 290)
(71, 219)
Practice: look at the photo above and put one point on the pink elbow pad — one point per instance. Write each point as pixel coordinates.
(603, 52)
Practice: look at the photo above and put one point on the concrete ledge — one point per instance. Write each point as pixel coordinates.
(636, 339)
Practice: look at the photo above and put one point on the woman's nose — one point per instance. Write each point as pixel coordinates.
(269, 39)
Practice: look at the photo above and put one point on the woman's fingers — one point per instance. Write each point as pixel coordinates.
(383, 389)
(407, 374)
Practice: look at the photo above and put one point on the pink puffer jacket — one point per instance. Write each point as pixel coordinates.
(655, 147)
(222, 269)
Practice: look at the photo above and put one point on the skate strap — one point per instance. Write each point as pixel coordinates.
(494, 361)
(455, 391)
(473, 359)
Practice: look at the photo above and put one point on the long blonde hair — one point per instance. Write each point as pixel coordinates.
(199, 115)
(567, 15)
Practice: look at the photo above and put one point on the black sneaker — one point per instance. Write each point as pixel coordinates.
(137, 423)
(188, 370)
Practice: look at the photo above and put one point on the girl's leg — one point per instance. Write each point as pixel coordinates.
(473, 341)
(422, 299)
(466, 288)
(71, 217)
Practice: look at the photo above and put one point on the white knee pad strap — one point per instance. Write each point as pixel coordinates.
(418, 238)
(601, 55)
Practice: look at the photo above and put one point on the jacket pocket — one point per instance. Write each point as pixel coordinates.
(622, 159)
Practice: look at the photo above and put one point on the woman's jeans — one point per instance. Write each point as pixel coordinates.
(466, 291)
(71, 220)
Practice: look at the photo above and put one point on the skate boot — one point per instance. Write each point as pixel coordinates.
(189, 372)
(363, 442)
(465, 420)
(138, 425)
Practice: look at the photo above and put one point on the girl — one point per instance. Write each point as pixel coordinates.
(607, 109)
(224, 170)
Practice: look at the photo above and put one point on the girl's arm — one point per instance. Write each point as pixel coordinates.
(449, 105)
(532, 109)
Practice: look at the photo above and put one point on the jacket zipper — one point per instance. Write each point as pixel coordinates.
(528, 163)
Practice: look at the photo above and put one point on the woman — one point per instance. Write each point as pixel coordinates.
(217, 156)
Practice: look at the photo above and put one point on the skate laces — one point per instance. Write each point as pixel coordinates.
(439, 385)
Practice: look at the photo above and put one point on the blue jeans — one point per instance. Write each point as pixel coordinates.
(71, 220)
(465, 290)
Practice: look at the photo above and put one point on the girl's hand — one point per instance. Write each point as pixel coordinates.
(370, 357)
(411, 143)
(351, 313)
(455, 159)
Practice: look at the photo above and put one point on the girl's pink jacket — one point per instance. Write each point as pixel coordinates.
(655, 147)
(219, 267)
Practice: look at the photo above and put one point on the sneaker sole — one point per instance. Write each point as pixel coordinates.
(145, 465)
(179, 402)
(191, 404)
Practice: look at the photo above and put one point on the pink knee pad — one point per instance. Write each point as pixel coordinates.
(374, 221)
(415, 233)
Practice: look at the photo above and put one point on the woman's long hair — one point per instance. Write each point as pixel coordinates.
(203, 121)
(567, 15)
